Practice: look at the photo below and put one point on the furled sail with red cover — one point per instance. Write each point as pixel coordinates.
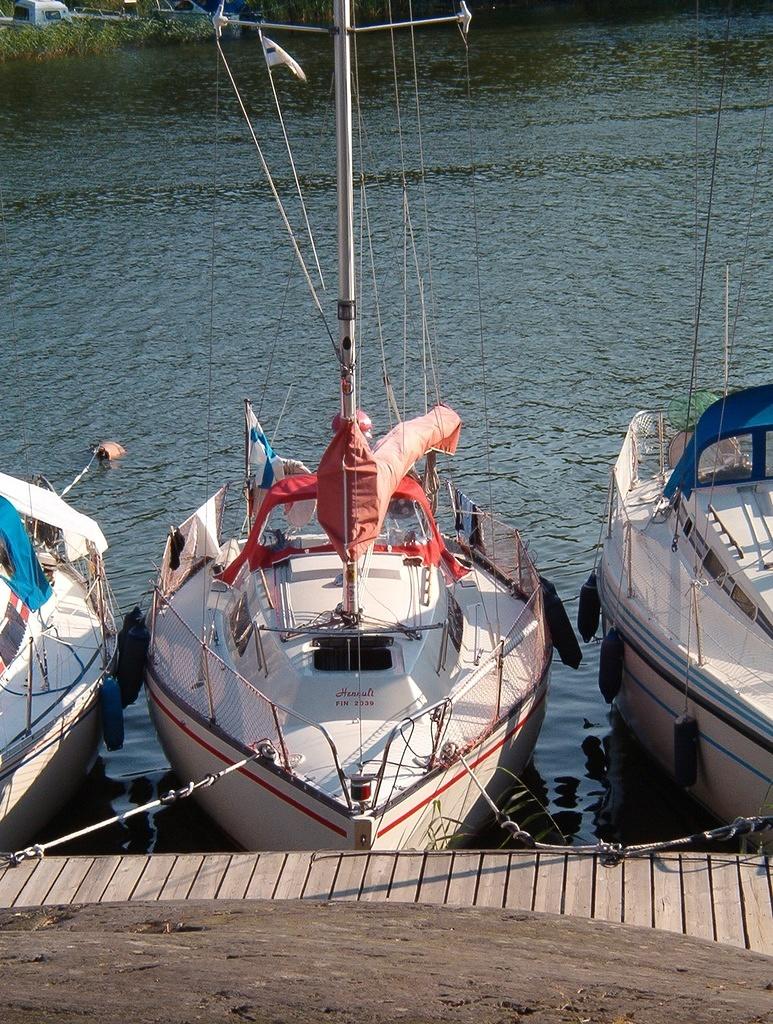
(356, 483)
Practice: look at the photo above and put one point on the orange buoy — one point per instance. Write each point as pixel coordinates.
(109, 450)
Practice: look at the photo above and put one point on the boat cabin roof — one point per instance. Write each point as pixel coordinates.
(732, 442)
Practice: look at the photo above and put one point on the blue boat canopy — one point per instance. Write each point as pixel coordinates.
(733, 441)
(19, 566)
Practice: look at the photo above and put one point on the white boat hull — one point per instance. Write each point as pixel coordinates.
(38, 777)
(734, 759)
(287, 814)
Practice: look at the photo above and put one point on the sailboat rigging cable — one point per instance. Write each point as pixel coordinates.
(275, 193)
(392, 411)
(272, 353)
(294, 170)
(701, 272)
(709, 209)
(432, 321)
(481, 335)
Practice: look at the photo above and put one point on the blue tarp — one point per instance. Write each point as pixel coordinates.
(746, 412)
(27, 581)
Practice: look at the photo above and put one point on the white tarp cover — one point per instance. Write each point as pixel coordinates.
(47, 507)
(199, 537)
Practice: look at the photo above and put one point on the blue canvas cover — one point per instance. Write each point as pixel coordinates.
(28, 581)
(746, 412)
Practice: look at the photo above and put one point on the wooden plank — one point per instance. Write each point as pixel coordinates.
(14, 879)
(294, 875)
(463, 883)
(265, 876)
(182, 876)
(696, 890)
(348, 881)
(66, 885)
(608, 891)
(521, 881)
(405, 879)
(492, 880)
(153, 878)
(237, 876)
(209, 876)
(667, 893)
(757, 909)
(726, 897)
(40, 882)
(96, 880)
(322, 873)
(549, 888)
(434, 880)
(578, 885)
(637, 891)
(125, 877)
(377, 878)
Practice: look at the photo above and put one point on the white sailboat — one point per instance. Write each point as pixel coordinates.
(378, 669)
(56, 641)
(686, 588)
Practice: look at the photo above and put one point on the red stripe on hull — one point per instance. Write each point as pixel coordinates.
(483, 757)
(244, 771)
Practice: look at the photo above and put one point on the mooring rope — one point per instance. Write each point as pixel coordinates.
(613, 853)
(39, 850)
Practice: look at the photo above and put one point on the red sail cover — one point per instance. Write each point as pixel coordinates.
(356, 483)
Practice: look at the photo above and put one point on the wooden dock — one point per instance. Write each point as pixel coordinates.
(724, 898)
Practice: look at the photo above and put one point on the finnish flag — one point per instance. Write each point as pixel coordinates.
(263, 462)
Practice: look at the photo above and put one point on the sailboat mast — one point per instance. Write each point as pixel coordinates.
(346, 284)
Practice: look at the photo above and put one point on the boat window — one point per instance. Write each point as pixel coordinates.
(714, 566)
(729, 459)
(455, 622)
(12, 633)
(53, 16)
(744, 603)
(352, 654)
(6, 562)
(279, 532)
(21, 14)
(241, 625)
(405, 524)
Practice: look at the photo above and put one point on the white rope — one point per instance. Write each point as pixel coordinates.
(295, 172)
(80, 475)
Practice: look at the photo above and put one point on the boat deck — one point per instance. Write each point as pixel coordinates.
(719, 897)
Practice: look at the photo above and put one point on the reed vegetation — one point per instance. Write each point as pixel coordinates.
(85, 37)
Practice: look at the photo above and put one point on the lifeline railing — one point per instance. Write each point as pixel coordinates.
(210, 681)
(37, 654)
(684, 611)
(509, 674)
(506, 678)
(494, 544)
